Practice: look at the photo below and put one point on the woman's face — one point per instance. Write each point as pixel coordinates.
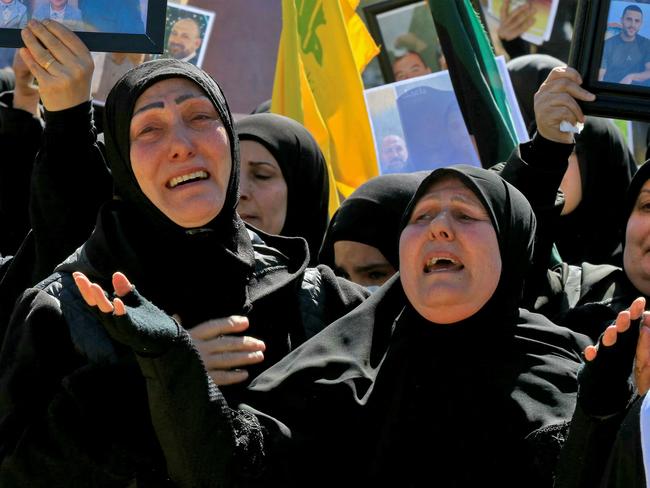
(262, 189)
(636, 256)
(450, 263)
(180, 152)
(362, 263)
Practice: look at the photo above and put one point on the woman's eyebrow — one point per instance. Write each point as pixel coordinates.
(180, 99)
(149, 106)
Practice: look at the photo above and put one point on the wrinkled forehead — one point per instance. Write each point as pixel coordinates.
(451, 186)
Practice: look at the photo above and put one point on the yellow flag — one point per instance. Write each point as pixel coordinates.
(323, 47)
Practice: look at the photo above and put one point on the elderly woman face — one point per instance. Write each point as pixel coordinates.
(449, 254)
(180, 152)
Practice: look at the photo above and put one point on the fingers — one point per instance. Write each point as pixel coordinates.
(119, 308)
(222, 378)
(556, 100)
(83, 284)
(65, 38)
(94, 295)
(637, 308)
(222, 344)
(103, 303)
(231, 360)
(609, 336)
(121, 284)
(590, 353)
(218, 327)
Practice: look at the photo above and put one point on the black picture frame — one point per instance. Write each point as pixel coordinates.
(613, 99)
(151, 41)
(372, 13)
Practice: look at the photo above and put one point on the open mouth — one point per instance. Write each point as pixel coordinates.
(188, 178)
(439, 264)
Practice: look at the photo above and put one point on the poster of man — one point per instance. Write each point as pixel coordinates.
(187, 30)
(626, 53)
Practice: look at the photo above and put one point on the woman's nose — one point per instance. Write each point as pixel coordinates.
(182, 147)
(440, 227)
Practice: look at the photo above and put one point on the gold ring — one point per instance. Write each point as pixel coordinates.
(49, 63)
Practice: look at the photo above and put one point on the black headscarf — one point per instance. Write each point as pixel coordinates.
(473, 390)
(527, 74)
(304, 170)
(372, 215)
(640, 177)
(591, 231)
(513, 220)
(181, 270)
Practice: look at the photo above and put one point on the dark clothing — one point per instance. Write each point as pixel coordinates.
(304, 170)
(352, 406)
(592, 231)
(86, 424)
(372, 215)
(20, 135)
(68, 184)
(620, 58)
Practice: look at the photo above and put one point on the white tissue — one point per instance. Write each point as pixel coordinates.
(569, 127)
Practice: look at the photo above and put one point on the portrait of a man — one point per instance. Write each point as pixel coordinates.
(626, 55)
(185, 40)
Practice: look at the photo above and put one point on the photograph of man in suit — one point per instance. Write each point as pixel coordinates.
(185, 40)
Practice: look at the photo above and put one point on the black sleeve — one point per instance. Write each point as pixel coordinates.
(20, 139)
(70, 182)
(64, 420)
(536, 168)
(205, 442)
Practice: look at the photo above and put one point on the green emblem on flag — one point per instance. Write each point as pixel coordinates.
(310, 17)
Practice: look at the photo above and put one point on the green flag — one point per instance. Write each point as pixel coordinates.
(476, 79)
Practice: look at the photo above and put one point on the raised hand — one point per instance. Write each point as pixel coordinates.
(130, 318)
(60, 62)
(556, 100)
(604, 378)
(223, 354)
(515, 22)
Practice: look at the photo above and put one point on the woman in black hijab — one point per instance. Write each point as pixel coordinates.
(71, 408)
(438, 378)
(299, 210)
(361, 242)
(601, 164)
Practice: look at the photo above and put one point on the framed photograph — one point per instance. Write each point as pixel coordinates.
(611, 51)
(417, 123)
(405, 32)
(103, 25)
(187, 30)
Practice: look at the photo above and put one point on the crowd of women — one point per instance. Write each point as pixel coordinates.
(177, 308)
